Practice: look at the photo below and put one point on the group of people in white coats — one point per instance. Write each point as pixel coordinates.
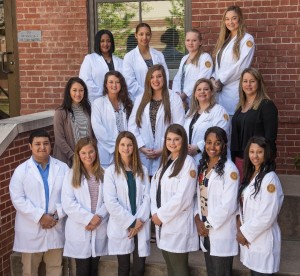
(120, 128)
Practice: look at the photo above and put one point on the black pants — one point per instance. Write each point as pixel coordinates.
(254, 273)
(217, 266)
(138, 267)
(177, 263)
(87, 267)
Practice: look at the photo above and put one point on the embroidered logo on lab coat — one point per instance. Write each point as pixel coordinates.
(193, 174)
(226, 117)
(249, 43)
(234, 176)
(208, 64)
(271, 188)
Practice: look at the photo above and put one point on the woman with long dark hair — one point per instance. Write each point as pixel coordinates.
(72, 120)
(172, 202)
(260, 199)
(97, 64)
(127, 198)
(216, 192)
(83, 202)
(110, 115)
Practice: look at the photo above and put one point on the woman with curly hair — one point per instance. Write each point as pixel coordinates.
(233, 53)
(260, 198)
(110, 115)
(216, 194)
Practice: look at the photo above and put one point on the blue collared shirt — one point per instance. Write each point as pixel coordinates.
(44, 174)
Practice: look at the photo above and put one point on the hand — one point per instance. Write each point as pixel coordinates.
(192, 150)
(137, 227)
(94, 223)
(202, 231)
(47, 221)
(156, 153)
(217, 86)
(241, 239)
(156, 220)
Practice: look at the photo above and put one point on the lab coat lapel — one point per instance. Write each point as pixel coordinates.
(211, 179)
(34, 171)
(53, 170)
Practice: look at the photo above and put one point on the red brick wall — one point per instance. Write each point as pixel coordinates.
(46, 66)
(15, 154)
(275, 26)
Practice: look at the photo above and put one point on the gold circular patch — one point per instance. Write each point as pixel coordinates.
(234, 176)
(193, 173)
(249, 43)
(271, 188)
(208, 64)
(226, 117)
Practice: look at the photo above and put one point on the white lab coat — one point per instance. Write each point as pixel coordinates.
(103, 119)
(144, 135)
(76, 202)
(217, 116)
(178, 232)
(135, 70)
(193, 73)
(260, 227)
(118, 205)
(92, 72)
(222, 209)
(28, 197)
(230, 70)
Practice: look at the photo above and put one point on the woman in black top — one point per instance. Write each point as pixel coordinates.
(256, 115)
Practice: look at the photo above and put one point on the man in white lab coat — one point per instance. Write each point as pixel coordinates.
(35, 191)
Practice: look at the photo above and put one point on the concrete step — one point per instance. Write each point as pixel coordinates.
(155, 265)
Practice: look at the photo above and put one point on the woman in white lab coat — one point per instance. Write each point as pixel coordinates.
(204, 113)
(215, 215)
(233, 53)
(260, 199)
(97, 64)
(110, 115)
(172, 201)
(127, 198)
(139, 60)
(152, 113)
(193, 66)
(83, 202)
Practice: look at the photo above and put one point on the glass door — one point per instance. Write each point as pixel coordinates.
(9, 73)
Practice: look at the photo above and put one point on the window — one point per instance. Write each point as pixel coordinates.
(167, 18)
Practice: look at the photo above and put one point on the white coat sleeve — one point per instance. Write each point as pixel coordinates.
(114, 208)
(153, 191)
(18, 197)
(178, 114)
(183, 197)
(129, 67)
(85, 73)
(228, 203)
(268, 208)
(132, 126)
(176, 84)
(143, 211)
(70, 204)
(103, 137)
(221, 119)
(233, 73)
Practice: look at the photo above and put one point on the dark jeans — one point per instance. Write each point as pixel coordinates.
(87, 267)
(177, 263)
(254, 273)
(217, 266)
(138, 267)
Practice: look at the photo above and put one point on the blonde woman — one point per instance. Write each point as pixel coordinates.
(193, 66)
(127, 198)
(83, 202)
(233, 53)
(152, 113)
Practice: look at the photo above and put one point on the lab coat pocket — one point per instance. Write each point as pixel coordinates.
(263, 243)
(74, 231)
(115, 230)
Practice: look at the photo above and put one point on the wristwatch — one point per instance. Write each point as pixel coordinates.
(207, 225)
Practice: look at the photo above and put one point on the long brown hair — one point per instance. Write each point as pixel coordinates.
(135, 164)
(261, 93)
(195, 59)
(225, 33)
(123, 95)
(148, 93)
(194, 102)
(78, 168)
(178, 163)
